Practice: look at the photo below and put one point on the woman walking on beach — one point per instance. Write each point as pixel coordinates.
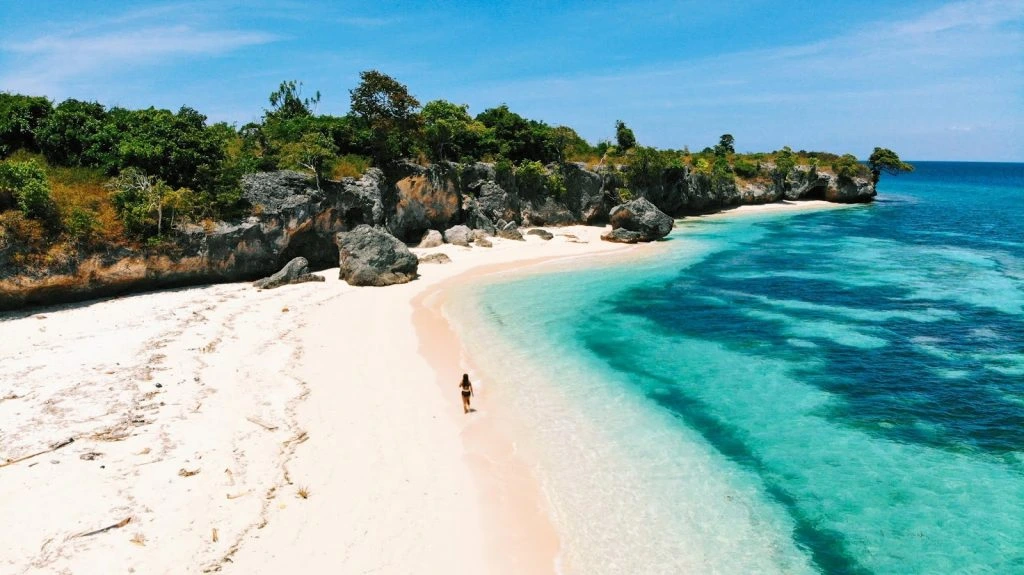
(467, 392)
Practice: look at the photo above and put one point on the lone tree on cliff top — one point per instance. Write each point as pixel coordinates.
(387, 114)
(886, 160)
(624, 137)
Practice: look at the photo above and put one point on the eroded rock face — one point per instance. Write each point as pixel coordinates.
(643, 217)
(372, 257)
(293, 272)
(851, 191)
(293, 218)
(458, 235)
(426, 199)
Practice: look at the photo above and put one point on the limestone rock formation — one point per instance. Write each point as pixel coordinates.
(643, 217)
(293, 272)
(431, 239)
(293, 217)
(426, 198)
(372, 257)
(458, 235)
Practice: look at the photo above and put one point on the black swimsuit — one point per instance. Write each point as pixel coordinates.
(466, 390)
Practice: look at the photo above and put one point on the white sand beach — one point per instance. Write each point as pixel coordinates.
(199, 414)
(313, 428)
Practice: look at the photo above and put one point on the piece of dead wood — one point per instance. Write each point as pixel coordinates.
(117, 525)
(262, 424)
(213, 535)
(53, 448)
(187, 473)
(237, 495)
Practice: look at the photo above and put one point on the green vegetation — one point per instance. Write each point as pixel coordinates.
(624, 137)
(886, 160)
(26, 184)
(78, 175)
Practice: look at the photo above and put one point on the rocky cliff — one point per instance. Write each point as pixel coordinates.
(292, 218)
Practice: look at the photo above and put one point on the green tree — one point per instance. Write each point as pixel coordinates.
(725, 145)
(313, 152)
(450, 132)
(26, 183)
(73, 135)
(287, 102)
(886, 160)
(516, 138)
(624, 138)
(176, 148)
(386, 112)
(20, 116)
(139, 200)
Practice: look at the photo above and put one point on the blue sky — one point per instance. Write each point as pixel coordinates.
(931, 80)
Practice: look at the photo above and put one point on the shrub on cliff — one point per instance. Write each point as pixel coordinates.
(26, 184)
(645, 168)
(847, 167)
(745, 168)
(531, 179)
(144, 202)
(784, 162)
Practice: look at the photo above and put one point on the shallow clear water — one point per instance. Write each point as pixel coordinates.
(834, 392)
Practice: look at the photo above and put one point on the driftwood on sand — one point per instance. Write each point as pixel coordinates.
(53, 448)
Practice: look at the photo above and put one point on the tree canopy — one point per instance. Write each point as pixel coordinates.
(387, 113)
(886, 160)
(624, 137)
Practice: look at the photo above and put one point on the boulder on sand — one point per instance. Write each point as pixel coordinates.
(435, 258)
(371, 257)
(431, 239)
(642, 217)
(622, 236)
(458, 235)
(542, 234)
(293, 272)
(510, 232)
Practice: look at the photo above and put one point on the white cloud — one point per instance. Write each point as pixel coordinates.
(46, 64)
(961, 64)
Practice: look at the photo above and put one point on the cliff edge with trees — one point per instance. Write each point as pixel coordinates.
(96, 200)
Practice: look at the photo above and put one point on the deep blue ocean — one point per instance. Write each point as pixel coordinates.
(829, 391)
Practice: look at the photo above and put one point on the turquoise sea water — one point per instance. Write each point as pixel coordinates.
(836, 391)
